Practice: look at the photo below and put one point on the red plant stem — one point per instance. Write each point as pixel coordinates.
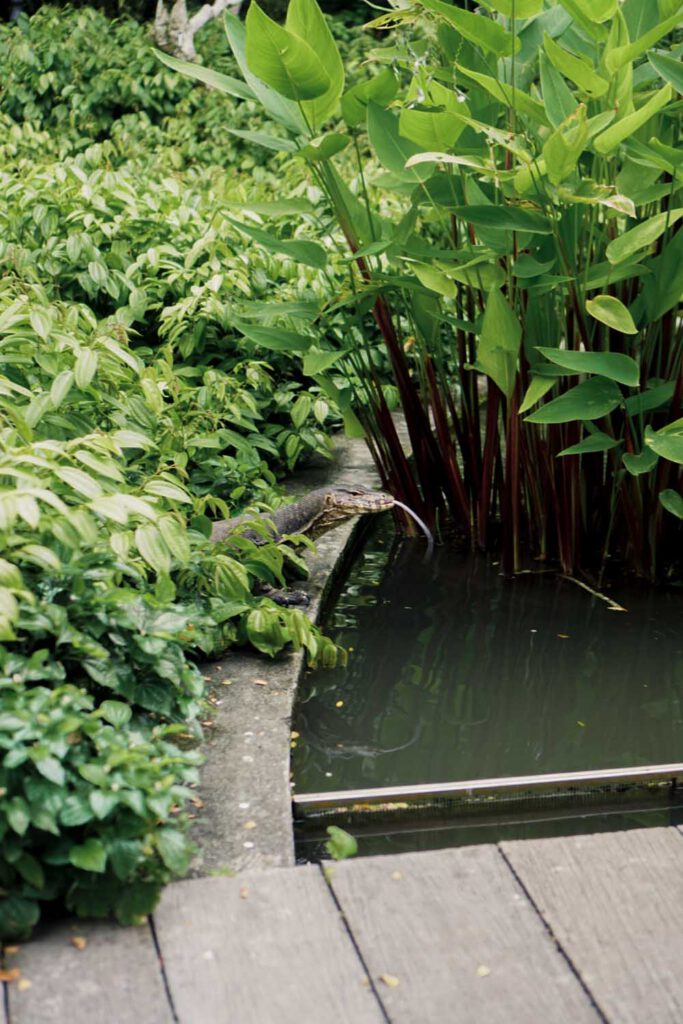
(458, 502)
(490, 449)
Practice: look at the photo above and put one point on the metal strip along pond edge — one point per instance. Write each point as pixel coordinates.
(472, 790)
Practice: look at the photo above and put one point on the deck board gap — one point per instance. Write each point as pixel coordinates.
(354, 943)
(560, 948)
(162, 970)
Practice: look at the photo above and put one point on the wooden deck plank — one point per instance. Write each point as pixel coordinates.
(455, 929)
(116, 977)
(614, 902)
(264, 948)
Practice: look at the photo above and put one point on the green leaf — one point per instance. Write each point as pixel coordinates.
(325, 148)
(437, 128)
(273, 142)
(318, 360)
(622, 55)
(223, 83)
(115, 712)
(136, 901)
(609, 310)
(61, 386)
(667, 445)
(341, 844)
(597, 10)
(488, 35)
(300, 250)
(17, 917)
(305, 20)
(508, 95)
(517, 9)
(558, 99)
(152, 547)
(509, 218)
(538, 387)
(282, 60)
(103, 803)
(382, 89)
(50, 768)
(613, 365)
(577, 69)
(642, 463)
(176, 539)
(672, 501)
(85, 368)
(590, 400)
(124, 856)
(562, 150)
(391, 148)
(18, 815)
(282, 110)
(166, 489)
(31, 871)
(643, 235)
(89, 856)
(597, 442)
(499, 341)
(275, 338)
(668, 68)
(174, 849)
(608, 140)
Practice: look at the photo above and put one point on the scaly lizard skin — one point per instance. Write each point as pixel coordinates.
(312, 515)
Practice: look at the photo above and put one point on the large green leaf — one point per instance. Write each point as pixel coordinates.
(437, 128)
(486, 34)
(612, 312)
(499, 341)
(516, 8)
(597, 442)
(89, 856)
(668, 68)
(508, 95)
(538, 387)
(224, 83)
(299, 250)
(508, 218)
(616, 59)
(643, 235)
(282, 110)
(558, 98)
(382, 89)
(667, 443)
(590, 400)
(613, 365)
(616, 133)
(576, 69)
(391, 148)
(305, 20)
(277, 339)
(282, 60)
(562, 149)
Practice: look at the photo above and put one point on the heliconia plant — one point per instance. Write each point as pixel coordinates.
(508, 185)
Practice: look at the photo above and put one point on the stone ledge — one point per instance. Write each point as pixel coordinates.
(246, 818)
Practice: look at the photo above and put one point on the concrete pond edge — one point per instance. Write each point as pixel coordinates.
(244, 815)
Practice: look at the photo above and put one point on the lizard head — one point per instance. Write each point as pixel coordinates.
(353, 500)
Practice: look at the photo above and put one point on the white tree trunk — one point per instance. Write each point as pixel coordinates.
(174, 31)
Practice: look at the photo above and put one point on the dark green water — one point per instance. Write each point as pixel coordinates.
(456, 674)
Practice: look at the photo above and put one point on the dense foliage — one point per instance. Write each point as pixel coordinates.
(134, 409)
(531, 248)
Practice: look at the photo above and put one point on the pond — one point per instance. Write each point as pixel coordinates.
(456, 674)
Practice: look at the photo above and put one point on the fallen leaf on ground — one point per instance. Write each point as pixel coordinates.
(11, 975)
(483, 971)
(79, 942)
(261, 682)
(244, 892)
(11, 949)
(390, 980)
(396, 876)
(563, 636)
(249, 824)
(23, 984)
(339, 704)
(294, 734)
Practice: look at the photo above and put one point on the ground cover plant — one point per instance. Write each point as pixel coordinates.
(133, 411)
(531, 249)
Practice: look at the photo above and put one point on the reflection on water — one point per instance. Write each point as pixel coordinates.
(455, 674)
